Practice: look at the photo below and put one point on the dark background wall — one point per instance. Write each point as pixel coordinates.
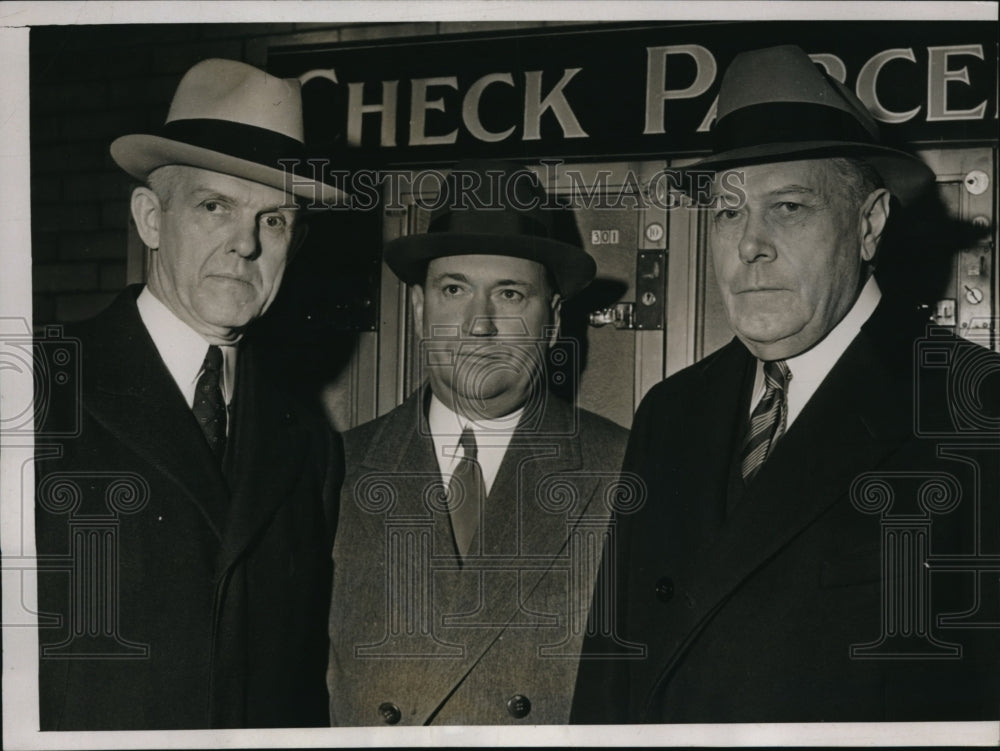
(91, 84)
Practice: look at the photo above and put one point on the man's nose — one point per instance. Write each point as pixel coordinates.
(755, 242)
(482, 314)
(246, 239)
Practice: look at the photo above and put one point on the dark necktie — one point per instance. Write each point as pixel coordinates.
(209, 406)
(466, 492)
(767, 422)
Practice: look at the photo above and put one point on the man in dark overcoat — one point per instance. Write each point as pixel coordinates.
(473, 516)
(184, 532)
(820, 534)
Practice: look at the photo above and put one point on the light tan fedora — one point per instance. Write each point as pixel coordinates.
(776, 104)
(230, 117)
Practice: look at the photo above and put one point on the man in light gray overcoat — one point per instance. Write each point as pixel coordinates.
(473, 516)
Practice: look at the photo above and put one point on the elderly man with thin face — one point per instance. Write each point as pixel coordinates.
(782, 568)
(473, 516)
(198, 540)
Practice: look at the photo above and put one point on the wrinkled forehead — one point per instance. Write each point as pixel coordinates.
(192, 180)
(804, 175)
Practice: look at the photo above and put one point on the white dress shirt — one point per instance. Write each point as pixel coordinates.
(182, 349)
(809, 368)
(492, 439)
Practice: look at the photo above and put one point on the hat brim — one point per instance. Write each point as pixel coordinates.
(905, 176)
(572, 268)
(140, 154)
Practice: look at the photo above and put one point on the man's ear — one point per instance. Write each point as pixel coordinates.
(146, 211)
(874, 216)
(556, 305)
(417, 305)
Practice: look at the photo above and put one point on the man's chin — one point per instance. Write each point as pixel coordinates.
(489, 404)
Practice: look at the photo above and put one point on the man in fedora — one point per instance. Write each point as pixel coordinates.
(807, 480)
(473, 515)
(186, 529)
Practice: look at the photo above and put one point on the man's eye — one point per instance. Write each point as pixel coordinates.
(274, 221)
(452, 289)
(511, 295)
(789, 207)
(211, 206)
(727, 214)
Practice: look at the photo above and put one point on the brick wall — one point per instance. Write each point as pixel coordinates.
(90, 85)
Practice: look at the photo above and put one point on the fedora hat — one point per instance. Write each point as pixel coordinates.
(230, 117)
(776, 104)
(495, 208)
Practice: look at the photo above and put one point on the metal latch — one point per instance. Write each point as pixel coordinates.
(620, 316)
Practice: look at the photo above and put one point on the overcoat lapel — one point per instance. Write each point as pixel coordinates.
(127, 378)
(523, 519)
(268, 450)
(401, 453)
(543, 452)
(718, 411)
(844, 430)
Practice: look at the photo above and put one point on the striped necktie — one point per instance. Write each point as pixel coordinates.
(466, 492)
(767, 422)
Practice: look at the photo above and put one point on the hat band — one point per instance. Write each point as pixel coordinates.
(780, 122)
(247, 142)
(489, 222)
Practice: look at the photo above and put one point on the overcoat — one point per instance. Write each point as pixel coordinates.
(172, 594)
(418, 637)
(852, 581)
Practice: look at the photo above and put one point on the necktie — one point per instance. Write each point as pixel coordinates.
(466, 492)
(767, 422)
(209, 406)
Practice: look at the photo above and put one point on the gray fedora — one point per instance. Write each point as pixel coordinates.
(776, 104)
(230, 117)
(496, 208)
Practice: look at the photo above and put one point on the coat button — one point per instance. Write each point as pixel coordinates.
(390, 713)
(518, 706)
(664, 589)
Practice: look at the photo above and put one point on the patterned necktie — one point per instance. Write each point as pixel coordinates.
(767, 422)
(466, 492)
(209, 406)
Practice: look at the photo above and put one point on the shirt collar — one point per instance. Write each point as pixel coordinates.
(445, 423)
(181, 348)
(813, 364)
(492, 439)
(809, 368)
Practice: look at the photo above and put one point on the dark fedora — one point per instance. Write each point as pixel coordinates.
(495, 208)
(776, 104)
(230, 117)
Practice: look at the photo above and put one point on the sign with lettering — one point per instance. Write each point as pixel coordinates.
(618, 91)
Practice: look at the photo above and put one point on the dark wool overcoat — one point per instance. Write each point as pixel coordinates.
(174, 594)
(853, 580)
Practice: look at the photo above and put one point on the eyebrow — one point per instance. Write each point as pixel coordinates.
(454, 276)
(215, 193)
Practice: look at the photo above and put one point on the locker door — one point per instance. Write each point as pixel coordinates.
(966, 180)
